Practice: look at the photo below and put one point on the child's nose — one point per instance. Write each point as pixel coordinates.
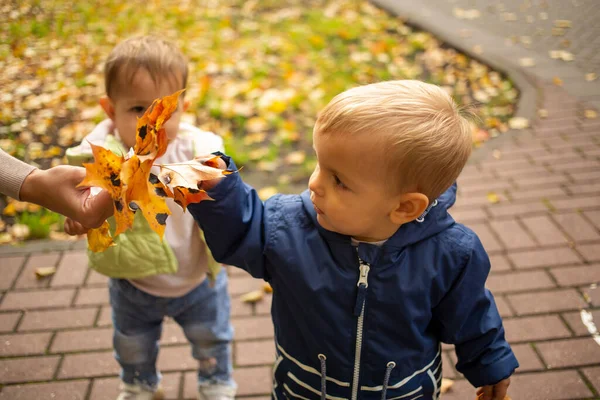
(314, 184)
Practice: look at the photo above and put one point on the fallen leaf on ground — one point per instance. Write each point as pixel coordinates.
(591, 114)
(591, 76)
(10, 210)
(526, 40)
(562, 23)
(543, 113)
(42, 272)
(509, 16)
(557, 81)
(518, 123)
(267, 166)
(256, 124)
(493, 198)
(561, 55)
(19, 231)
(252, 297)
(469, 14)
(526, 62)
(5, 238)
(497, 154)
(296, 157)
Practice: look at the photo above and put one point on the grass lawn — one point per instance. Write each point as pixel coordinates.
(260, 71)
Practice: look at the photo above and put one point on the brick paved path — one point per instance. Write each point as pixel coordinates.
(543, 238)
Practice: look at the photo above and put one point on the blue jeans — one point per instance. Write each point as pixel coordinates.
(203, 314)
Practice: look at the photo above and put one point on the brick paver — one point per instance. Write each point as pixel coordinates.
(32, 299)
(68, 390)
(543, 237)
(58, 319)
(81, 340)
(29, 369)
(28, 279)
(11, 267)
(23, 344)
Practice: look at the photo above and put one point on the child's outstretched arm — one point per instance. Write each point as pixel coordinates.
(233, 224)
(468, 317)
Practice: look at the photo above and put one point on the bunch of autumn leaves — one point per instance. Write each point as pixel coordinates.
(134, 188)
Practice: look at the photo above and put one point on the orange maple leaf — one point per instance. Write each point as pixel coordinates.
(151, 139)
(105, 172)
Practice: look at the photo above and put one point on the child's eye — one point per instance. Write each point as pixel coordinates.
(339, 183)
(137, 109)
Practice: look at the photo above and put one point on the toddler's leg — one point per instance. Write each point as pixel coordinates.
(205, 322)
(137, 320)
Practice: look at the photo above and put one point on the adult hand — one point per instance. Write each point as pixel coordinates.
(56, 189)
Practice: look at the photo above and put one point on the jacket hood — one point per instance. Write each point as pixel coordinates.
(434, 220)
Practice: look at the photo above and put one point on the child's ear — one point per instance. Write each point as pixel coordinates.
(108, 107)
(186, 105)
(409, 207)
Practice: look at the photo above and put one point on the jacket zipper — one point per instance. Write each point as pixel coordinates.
(359, 310)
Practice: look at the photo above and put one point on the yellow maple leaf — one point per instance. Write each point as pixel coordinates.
(100, 239)
(105, 171)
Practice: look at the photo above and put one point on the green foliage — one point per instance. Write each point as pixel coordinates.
(40, 223)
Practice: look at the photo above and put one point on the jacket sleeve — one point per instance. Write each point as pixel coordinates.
(12, 174)
(234, 224)
(469, 318)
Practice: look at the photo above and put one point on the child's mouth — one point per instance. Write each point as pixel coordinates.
(317, 209)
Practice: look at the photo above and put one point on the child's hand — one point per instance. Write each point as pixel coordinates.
(207, 185)
(494, 392)
(74, 228)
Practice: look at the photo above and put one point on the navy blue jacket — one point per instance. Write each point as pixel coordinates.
(362, 322)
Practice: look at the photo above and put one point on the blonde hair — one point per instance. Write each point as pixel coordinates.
(425, 135)
(161, 58)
